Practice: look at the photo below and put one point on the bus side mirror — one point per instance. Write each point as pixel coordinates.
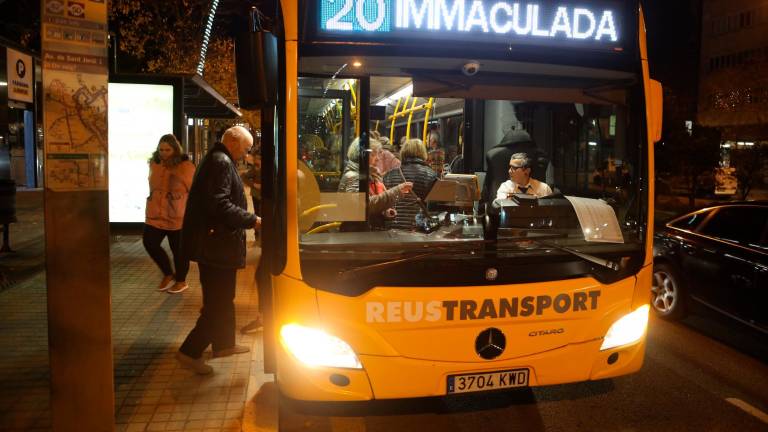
(256, 68)
(655, 111)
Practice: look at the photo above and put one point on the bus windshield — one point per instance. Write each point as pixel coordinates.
(428, 188)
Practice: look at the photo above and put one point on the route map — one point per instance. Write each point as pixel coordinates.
(76, 127)
(77, 115)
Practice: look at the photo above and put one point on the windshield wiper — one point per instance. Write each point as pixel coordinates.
(587, 257)
(346, 274)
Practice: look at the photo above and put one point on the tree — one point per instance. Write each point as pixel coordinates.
(689, 155)
(20, 23)
(158, 36)
(166, 37)
(750, 164)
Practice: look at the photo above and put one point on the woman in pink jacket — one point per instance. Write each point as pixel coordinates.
(170, 177)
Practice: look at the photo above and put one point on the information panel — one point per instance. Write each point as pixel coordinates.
(74, 42)
(598, 25)
(139, 114)
(20, 76)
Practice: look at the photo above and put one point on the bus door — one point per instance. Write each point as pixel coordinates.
(325, 131)
(329, 126)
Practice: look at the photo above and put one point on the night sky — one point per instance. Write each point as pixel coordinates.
(673, 41)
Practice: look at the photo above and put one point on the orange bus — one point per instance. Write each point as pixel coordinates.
(457, 283)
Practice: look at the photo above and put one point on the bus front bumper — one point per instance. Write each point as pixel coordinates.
(386, 377)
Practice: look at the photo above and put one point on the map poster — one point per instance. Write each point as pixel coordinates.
(75, 77)
(73, 171)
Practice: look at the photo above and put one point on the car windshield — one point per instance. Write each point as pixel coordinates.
(391, 182)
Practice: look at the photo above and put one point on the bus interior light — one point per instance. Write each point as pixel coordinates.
(316, 348)
(627, 329)
(400, 93)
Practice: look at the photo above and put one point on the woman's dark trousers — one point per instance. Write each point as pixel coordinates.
(152, 238)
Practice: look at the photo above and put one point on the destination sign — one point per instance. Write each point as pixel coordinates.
(595, 24)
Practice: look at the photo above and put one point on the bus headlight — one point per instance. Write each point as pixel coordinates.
(314, 347)
(628, 329)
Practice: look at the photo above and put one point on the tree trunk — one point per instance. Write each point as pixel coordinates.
(745, 190)
(692, 192)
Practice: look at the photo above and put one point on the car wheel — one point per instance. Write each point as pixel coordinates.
(667, 292)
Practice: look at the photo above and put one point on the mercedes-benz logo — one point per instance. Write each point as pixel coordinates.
(490, 343)
(21, 68)
(491, 274)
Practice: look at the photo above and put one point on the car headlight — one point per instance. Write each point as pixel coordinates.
(628, 329)
(314, 347)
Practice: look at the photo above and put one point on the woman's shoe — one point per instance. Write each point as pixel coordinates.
(196, 364)
(236, 349)
(178, 287)
(165, 283)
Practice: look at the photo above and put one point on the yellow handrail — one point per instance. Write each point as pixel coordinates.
(311, 210)
(426, 119)
(355, 110)
(408, 111)
(394, 117)
(325, 227)
(410, 117)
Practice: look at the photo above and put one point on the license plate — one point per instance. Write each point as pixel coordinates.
(466, 383)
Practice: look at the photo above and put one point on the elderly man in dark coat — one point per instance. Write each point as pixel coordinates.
(213, 234)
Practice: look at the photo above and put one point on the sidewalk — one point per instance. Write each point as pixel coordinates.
(151, 391)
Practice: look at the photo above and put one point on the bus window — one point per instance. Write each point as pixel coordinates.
(581, 156)
(328, 125)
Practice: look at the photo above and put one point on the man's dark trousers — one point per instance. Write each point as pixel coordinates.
(216, 325)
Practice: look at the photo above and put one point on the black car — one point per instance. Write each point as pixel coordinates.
(716, 257)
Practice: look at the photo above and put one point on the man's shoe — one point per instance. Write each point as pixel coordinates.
(252, 326)
(165, 283)
(178, 287)
(226, 352)
(196, 365)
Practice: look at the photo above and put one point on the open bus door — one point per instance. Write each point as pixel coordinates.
(260, 75)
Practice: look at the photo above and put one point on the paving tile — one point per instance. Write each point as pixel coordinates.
(141, 418)
(161, 417)
(179, 416)
(174, 426)
(145, 409)
(164, 409)
(152, 391)
(213, 423)
(156, 427)
(199, 414)
(194, 424)
(136, 427)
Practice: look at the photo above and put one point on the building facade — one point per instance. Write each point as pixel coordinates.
(733, 84)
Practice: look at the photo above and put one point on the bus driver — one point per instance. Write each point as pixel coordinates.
(520, 180)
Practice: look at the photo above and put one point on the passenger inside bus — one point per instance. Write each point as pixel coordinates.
(435, 155)
(386, 160)
(414, 170)
(381, 200)
(520, 180)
